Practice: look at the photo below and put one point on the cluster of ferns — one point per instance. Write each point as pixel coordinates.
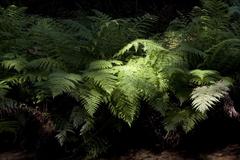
(101, 64)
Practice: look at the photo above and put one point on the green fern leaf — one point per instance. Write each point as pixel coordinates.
(104, 78)
(204, 77)
(91, 101)
(185, 118)
(46, 64)
(206, 97)
(58, 83)
(16, 64)
(148, 47)
(103, 64)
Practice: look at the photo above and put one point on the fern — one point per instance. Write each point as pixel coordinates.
(16, 64)
(106, 65)
(103, 78)
(206, 97)
(227, 52)
(46, 64)
(77, 29)
(91, 101)
(77, 117)
(58, 83)
(186, 118)
(63, 134)
(142, 25)
(103, 64)
(204, 77)
(148, 46)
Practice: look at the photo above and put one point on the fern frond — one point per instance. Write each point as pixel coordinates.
(100, 17)
(136, 81)
(193, 55)
(77, 29)
(60, 82)
(103, 64)
(204, 77)
(62, 136)
(9, 106)
(46, 64)
(224, 55)
(148, 46)
(95, 146)
(220, 46)
(143, 24)
(91, 101)
(206, 97)
(104, 78)
(87, 127)
(16, 64)
(186, 118)
(215, 7)
(77, 117)
(125, 104)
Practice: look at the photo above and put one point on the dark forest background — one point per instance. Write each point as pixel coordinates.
(166, 10)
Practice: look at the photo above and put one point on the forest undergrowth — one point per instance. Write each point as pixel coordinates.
(85, 86)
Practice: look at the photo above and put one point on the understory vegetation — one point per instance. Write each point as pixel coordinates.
(83, 80)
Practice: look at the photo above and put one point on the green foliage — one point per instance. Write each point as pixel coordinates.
(114, 65)
(58, 83)
(206, 96)
(186, 118)
(204, 77)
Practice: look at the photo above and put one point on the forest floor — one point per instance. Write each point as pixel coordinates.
(16, 155)
(231, 152)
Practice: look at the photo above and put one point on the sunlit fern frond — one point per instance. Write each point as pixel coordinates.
(104, 79)
(103, 64)
(204, 77)
(205, 97)
(16, 64)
